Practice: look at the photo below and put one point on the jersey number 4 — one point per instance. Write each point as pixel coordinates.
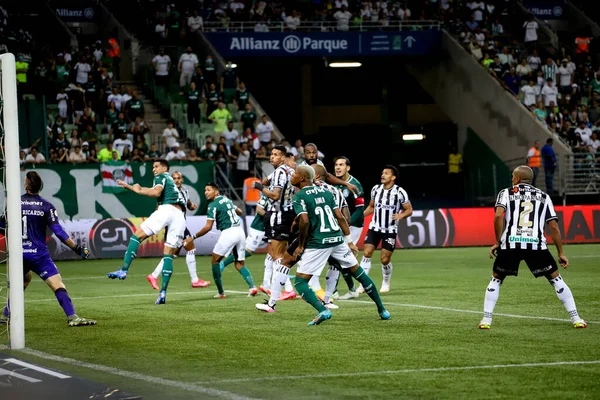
(333, 224)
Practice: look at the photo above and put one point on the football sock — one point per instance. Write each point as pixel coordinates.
(386, 271)
(333, 263)
(491, 297)
(330, 282)
(349, 281)
(307, 294)
(365, 264)
(370, 289)
(130, 254)
(288, 284)
(268, 272)
(314, 283)
(228, 260)
(564, 294)
(280, 276)
(190, 260)
(158, 269)
(247, 276)
(65, 301)
(216, 270)
(167, 270)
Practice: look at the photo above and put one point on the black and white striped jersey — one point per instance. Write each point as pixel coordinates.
(304, 163)
(185, 193)
(281, 178)
(387, 202)
(527, 210)
(340, 200)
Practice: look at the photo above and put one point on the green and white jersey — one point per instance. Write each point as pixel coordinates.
(258, 222)
(319, 204)
(356, 203)
(170, 193)
(222, 210)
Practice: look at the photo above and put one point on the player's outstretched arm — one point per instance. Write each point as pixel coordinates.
(557, 239)
(201, 232)
(334, 180)
(63, 236)
(370, 208)
(238, 211)
(144, 191)
(275, 194)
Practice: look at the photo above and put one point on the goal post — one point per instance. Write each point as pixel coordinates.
(12, 192)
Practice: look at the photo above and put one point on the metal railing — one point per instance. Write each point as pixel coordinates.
(320, 26)
(581, 175)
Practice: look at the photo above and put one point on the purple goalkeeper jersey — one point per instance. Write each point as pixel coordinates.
(38, 214)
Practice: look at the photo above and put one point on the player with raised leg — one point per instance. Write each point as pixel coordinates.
(522, 211)
(168, 214)
(38, 214)
(232, 238)
(190, 256)
(389, 204)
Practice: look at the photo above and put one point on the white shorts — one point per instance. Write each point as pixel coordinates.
(355, 233)
(232, 239)
(255, 240)
(166, 215)
(313, 260)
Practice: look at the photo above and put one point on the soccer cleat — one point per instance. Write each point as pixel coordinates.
(385, 287)
(265, 307)
(360, 290)
(581, 324)
(219, 296)
(385, 315)
(153, 281)
(331, 306)
(75, 320)
(200, 283)
(287, 295)
(320, 294)
(162, 297)
(320, 317)
(335, 295)
(4, 319)
(352, 294)
(118, 274)
(484, 325)
(221, 265)
(265, 290)
(252, 292)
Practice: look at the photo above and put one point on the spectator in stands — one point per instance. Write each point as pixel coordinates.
(567, 76)
(248, 118)
(595, 142)
(524, 69)
(264, 130)
(195, 22)
(584, 133)
(175, 154)
(82, 121)
(549, 160)
(207, 153)
(114, 53)
(529, 94)
(198, 79)
(229, 83)
(343, 19)
(550, 70)
(106, 154)
(531, 35)
(210, 70)
(118, 127)
(261, 26)
(62, 156)
(213, 98)
(90, 136)
(170, 136)
(92, 156)
(140, 144)
(230, 135)
(161, 30)
(134, 107)
(137, 156)
(153, 154)
(82, 70)
(74, 140)
(292, 22)
(193, 156)
(126, 156)
(162, 65)
(22, 67)
(188, 62)
(534, 160)
(22, 157)
(111, 115)
(250, 195)
(242, 97)
(61, 142)
(549, 93)
(35, 157)
(506, 59)
(122, 142)
(219, 118)
(193, 96)
(116, 98)
(242, 165)
(534, 61)
(62, 98)
(76, 156)
(496, 68)
(497, 28)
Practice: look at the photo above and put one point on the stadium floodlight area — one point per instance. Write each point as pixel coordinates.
(12, 286)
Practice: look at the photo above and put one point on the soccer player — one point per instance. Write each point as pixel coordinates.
(171, 205)
(356, 205)
(232, 238)
(190, 256)
(389, 204)
(311, 156)
(520, 236)
(324, 233)
(38, 214)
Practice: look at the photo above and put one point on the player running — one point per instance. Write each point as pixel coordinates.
(520, 236)
(169, 213)
(232, 238)
(190, 256)
(38, 214)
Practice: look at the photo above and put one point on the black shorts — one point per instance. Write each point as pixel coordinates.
(278, 225)
(388, 240)
(540, 262)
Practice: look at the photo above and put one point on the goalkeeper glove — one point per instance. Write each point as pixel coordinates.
(84, 252)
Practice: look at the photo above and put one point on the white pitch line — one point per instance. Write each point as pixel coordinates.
(399, 371)
(37, 368)
(127, 295)
(140, 377)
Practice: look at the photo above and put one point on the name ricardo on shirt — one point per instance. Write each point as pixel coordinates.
(33, 212)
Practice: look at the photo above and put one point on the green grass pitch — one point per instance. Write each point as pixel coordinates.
(199, 347)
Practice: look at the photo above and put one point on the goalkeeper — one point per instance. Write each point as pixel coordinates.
(38, 214)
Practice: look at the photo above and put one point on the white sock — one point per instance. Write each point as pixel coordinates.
(280, 274)
(564, 294)
(386, 271)
(158, 270)
(268, 272)
(365, 263)
(314, 283)
(190, 259)
(491, 297)
(330, 282)
(288, 285)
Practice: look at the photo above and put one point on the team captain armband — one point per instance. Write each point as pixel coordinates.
(359, 201)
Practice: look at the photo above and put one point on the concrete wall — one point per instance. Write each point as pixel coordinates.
(471, 97)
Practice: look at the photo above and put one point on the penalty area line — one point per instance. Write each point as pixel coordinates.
(192, 387)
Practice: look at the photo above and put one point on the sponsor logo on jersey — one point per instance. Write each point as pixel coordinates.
(521, 239)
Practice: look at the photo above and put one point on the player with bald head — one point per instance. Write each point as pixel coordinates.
(522, 211)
